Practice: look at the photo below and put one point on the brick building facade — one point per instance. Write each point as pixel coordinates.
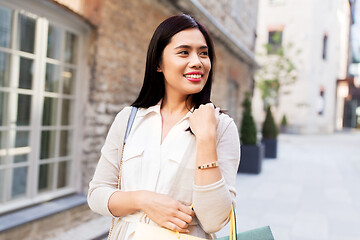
(109, 40)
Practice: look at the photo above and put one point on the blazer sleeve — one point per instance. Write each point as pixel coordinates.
(212, 203)
(105, 179)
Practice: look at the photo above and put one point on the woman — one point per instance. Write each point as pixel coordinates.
(180, 150)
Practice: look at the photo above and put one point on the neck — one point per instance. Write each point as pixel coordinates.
(175, 104)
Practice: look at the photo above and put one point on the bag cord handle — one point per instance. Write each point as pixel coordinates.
(127, 132)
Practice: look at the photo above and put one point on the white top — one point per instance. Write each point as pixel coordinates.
(167, 168)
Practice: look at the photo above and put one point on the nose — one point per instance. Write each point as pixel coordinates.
(195, 61)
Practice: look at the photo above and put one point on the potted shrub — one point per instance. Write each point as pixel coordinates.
(269, 135)
(283, 124)
(251, 152)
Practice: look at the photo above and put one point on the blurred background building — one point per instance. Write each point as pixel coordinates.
(315, 37)
(66, 68)
(348, 89)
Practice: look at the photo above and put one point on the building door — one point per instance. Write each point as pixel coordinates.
(352, 113)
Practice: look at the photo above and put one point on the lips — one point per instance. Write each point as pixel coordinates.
(194, 76)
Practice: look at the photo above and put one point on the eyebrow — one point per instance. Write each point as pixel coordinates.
(187, 46)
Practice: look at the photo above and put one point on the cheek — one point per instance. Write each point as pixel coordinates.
(173, 65)
(207, 65)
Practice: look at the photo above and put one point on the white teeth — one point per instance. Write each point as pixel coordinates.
(193, 75)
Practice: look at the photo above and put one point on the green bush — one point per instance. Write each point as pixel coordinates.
(283, 121)
(248, 127)
(269, 129)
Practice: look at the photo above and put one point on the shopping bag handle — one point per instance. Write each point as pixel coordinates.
(233, 230)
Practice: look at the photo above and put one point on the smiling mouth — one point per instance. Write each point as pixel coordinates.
(193, 77)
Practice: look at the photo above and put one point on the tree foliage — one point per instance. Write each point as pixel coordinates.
(277, 70)
(283, 121)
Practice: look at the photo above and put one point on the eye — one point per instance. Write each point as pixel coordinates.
(183, 52)
(205, 53)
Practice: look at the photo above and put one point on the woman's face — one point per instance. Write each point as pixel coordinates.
(185, 63)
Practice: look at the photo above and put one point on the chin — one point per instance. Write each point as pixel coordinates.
(194, 91)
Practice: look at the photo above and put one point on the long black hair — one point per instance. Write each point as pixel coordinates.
(153, 88)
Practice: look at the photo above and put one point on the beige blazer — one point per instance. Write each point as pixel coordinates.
(167, 168)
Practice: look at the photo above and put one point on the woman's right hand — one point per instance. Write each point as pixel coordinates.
(166, 211)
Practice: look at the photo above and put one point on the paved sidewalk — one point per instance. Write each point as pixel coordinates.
(310, 192)
(92, 230)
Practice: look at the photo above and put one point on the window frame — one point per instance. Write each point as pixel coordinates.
(48, 13)
(274, 47)
(325, 46)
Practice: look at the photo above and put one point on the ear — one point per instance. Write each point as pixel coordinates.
(158, 69)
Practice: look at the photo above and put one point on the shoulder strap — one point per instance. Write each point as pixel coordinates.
(127, 132)
(124, 133)
(130, 122)
(126, 120)
(121, 151)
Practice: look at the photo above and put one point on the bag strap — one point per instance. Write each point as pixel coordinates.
(127, 132)
(130, 123)
(233, 230)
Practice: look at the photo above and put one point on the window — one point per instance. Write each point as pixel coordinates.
(274, 42)
(38, 72)
(325, 46)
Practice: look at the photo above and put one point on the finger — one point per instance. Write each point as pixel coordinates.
(210, 105)
(180, 224)
(217, 111)
(173, 227)
(207, 105)
(184, 217)
(186, 209)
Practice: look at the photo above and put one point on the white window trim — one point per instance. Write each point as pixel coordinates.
(68, 21)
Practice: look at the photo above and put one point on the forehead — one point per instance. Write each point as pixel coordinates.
(191, 37)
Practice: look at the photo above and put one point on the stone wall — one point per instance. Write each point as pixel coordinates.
(228, 68)
(118, 68)
(116, 61)
(118, 64)
(238, 17)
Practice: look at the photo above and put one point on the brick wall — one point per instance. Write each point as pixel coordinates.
(238, 17)
(116, 59)
(118, 53)
(89, 9)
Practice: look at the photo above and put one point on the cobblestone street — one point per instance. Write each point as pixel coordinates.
(310, 192)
